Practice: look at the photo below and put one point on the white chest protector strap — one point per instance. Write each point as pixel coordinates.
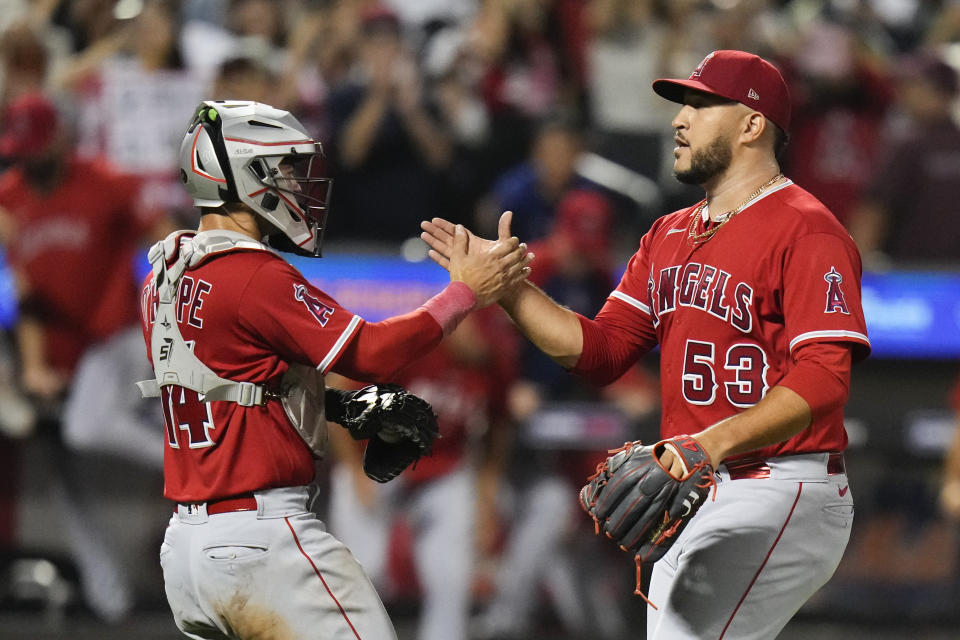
(173, 360)
(174, 363)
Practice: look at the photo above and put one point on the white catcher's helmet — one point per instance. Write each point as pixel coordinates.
(242, 151)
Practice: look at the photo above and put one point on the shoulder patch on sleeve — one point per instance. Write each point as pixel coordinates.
(320, 311)
(836, 302)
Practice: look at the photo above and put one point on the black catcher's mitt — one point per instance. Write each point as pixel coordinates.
(638, 504)
(400, 426)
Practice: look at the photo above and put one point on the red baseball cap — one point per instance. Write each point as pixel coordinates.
(28, 127)
(739, 76)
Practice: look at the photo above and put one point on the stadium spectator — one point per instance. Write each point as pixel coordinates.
(840, 100)
(386, 148)
(133, 93)
(627, 51)
(71, 231)
(207, 39)
(243, 78)
(533, 188)
(911, 193)
(24, 60)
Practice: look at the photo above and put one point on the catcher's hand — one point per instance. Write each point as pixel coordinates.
(400, 426)
(636, 501)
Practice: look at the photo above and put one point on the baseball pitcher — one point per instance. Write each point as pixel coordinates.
(753, 296)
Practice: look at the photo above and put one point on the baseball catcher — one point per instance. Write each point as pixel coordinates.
(639, 504)
(400, 426)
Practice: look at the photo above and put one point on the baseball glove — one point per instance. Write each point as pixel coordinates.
(636, 501)
(400, 427)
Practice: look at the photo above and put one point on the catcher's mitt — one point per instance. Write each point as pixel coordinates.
(636, 501)
(400, 426)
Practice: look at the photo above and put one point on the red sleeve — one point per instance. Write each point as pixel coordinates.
(306, 325)
(822, 293)
(821, 375)
(622, 331)
(301, 322)
(381, 349)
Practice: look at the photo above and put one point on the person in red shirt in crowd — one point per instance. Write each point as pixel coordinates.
(841, 97)
(906, 213)
(72, 229)
(448, 499)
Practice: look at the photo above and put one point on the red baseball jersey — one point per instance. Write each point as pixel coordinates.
(728, 313)
(247, 313)
(76, 245)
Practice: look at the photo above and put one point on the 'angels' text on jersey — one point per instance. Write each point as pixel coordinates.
(704, 287)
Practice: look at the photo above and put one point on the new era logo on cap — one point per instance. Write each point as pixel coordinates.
(739, 76)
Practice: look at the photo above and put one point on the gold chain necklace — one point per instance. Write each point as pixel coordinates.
(697, 238)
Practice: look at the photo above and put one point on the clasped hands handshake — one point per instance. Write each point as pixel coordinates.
(490, 268)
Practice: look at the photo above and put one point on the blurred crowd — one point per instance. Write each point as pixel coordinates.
(467, 106)
(457, 108)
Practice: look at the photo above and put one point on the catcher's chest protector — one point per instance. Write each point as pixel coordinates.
(174, 363)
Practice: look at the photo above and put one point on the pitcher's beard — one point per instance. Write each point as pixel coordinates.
(707, 163)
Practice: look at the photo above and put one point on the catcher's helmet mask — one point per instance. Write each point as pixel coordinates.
(231, 153)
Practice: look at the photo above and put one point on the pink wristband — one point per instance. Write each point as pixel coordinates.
(451, 305)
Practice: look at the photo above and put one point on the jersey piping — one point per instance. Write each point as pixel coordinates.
(630, 300)
(338, 345)
(829, 333)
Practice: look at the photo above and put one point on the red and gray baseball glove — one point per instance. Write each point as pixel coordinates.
(636, 501)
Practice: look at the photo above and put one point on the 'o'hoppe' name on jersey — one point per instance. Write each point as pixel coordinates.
(704, 287)
(190, 297)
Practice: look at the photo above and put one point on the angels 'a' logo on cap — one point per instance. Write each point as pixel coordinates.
(836, 302)
(319, 310)
(696, 72)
